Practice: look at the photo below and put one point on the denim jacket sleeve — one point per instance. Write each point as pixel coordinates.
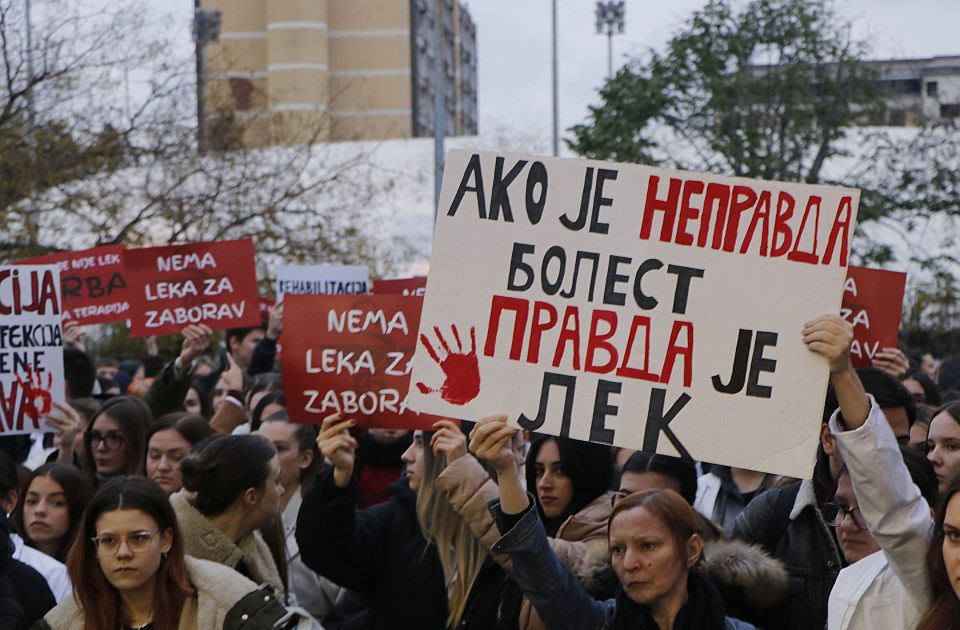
(557, 594)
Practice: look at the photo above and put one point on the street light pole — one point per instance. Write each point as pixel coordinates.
(439, 117)
(556, 116)
(206, 29)
(610, 20)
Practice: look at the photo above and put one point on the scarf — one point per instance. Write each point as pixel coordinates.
(703, 609)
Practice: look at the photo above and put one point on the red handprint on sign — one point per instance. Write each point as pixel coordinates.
(461, 370)
(36, 398)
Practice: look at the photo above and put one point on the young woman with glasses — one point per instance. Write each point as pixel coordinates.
(130, 572)
(115, 440)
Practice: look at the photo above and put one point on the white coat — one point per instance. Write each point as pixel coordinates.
(887, 590)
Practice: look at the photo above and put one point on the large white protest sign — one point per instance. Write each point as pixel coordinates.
(31, 346)
(323, 279)
(634, 306)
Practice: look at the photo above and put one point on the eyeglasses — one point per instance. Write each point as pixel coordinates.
(112, 440)
(138, 542)
(834, 514)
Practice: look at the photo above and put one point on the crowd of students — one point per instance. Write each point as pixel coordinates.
(180, 495)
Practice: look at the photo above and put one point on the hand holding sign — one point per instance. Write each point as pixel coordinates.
(830, 336)
(461, 371)
(892, 361)
(448, 441)
(65, 420)
(196, 339)
(73, 335)
(337, 445)
(275, 323)
(490, 442)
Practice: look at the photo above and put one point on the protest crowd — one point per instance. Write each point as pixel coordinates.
(226, 489)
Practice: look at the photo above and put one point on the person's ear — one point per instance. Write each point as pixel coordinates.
(250, 497)
(694, 550)
(827, 440)
(166, 540)
(306, 459)
(8, 502)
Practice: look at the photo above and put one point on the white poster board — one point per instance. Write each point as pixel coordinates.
(640, 307)
(31, 346)
(323, 280)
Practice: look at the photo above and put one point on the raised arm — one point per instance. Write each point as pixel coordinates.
(896, 514)
(554, 591)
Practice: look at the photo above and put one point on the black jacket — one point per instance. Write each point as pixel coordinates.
(804, 544)
(25, 596)
(379, 552)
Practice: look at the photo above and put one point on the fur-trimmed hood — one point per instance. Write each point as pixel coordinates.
(750, 580)
(203, 540)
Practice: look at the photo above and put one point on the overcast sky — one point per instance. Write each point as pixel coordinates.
(514, 47)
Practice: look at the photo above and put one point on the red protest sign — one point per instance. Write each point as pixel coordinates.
(266, 305)
(199, 283)
(401, 286)
(872, 302)
(92, 284)
(351, 354)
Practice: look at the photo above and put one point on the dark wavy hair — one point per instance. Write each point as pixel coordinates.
(944, 610)
(76, 492)
(589, 467)
(95, 596)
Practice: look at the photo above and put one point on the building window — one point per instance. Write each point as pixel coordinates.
(950, 110)
(898, 117)
(242, 91)
(932, 89)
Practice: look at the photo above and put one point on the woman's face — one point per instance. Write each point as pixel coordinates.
(130, 548)
(951, 542)
(46, 515)
(192, 402)
(412, 459)
(554, 487)
(283, 436)
(164, 452)
(943, 448)
(109, 445)
(645, 557)
(916, 390)
(268, 507)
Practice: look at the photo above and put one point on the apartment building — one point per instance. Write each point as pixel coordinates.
(296, 71)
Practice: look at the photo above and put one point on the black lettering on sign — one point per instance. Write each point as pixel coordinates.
(549, 380)
(745, 362)
(659, 422)
(601, 409)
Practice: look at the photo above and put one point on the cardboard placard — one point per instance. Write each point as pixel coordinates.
(416, 285)
(873, 303)
(323, 280)
(633, 306)
(31, 346)
(350, 354)
(92, 283)
(174, 286)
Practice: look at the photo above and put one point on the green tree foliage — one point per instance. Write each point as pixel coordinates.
(764, 92)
